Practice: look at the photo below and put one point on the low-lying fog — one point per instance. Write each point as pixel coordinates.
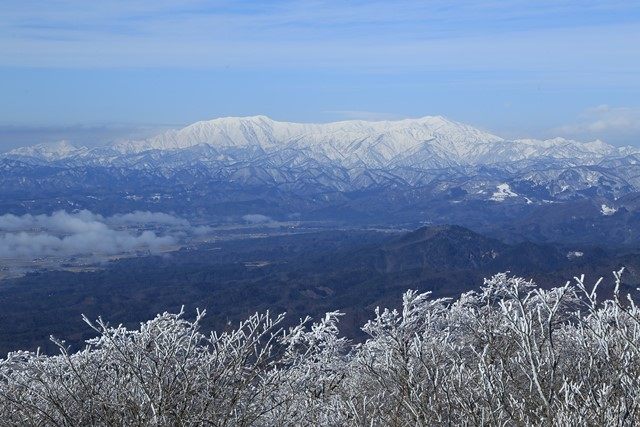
(83, 239)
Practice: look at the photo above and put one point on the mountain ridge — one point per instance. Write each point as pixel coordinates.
(407, 142)
(419, 165)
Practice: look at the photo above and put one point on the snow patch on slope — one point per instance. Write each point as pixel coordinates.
(502, 192)
(607, 210)
(575, 254)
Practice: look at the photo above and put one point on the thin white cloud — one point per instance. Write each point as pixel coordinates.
(85, 233)
(13, 136)
(605, 122)
(23, 245)
(378, 34)
(256, 219)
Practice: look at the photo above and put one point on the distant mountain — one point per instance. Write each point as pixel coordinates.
(427, 142)
(453, 248)
(48, 152)
(441, 247)
(425, 170)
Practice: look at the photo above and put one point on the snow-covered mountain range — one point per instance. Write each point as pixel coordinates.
(237, 166)
(424, 143)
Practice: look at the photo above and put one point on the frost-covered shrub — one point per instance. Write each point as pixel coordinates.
(509, 354)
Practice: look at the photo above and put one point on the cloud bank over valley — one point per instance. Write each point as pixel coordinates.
(84, 233)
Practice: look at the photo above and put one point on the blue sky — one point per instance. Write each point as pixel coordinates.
(92, 72)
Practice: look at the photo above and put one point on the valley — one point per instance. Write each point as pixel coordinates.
(304, 273)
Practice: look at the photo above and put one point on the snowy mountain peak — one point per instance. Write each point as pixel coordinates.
(48, 151)
(417, 143)
(393, 137)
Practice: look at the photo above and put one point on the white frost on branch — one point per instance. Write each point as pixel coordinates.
(509, 354)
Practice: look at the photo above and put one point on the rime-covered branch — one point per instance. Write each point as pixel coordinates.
(509, 354)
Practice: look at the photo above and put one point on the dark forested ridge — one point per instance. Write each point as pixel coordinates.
(312, 273)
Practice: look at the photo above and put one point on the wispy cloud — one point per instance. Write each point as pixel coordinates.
(87, 234)
(256, 219)
(12, 136)
(616, 124)
(378, 34)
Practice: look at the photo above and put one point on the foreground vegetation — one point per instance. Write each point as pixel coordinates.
(509, 354)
